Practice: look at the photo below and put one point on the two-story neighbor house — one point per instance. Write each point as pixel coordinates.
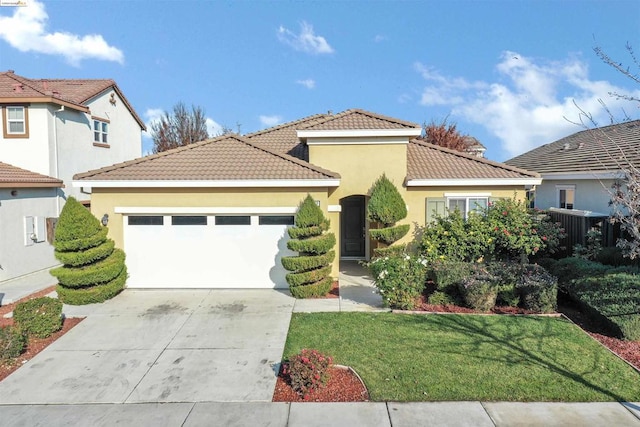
(215, 213)
(51, 130)
(59, 127)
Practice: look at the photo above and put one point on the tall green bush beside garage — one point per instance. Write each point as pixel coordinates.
(311, 269)
(93, 270)
(386, 207)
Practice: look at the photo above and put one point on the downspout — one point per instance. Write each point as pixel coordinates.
(55, 152)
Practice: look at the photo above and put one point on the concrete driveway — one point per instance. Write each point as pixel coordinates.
(162, 346)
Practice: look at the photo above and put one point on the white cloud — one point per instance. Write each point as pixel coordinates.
(380, 38)
(213, 127)
(270, 120)
(308, 83)
(306, 41)
(26, 31)
(532, 103)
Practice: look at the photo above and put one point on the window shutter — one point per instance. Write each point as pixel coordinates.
(436, 206)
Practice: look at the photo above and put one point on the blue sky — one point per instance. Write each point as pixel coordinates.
(509, 73)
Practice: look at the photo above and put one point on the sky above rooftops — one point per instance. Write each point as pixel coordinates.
(513, 74)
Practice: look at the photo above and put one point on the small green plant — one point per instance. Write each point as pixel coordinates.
(307, 371)
(441, 298)
(592, 248)
(311, 269)
(400, 279)
(538, 289)
(39, 317)
(479, 290)
(12, 342)
(386, 207)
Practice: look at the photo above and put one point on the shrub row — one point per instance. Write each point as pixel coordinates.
(614, 299)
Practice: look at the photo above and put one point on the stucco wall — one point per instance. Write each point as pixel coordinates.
(29, 153)
(590, 195)
(16, 258)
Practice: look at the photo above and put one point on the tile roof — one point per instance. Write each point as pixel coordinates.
(602, 149)
(228, 157)
(283, 138)
(360, 119)
(429, 161)
(72, 92)
(12, 176)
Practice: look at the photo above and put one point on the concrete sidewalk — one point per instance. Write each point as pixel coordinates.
(370, 414)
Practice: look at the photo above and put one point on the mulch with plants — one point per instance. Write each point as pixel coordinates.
(34, 345)
(343, 386)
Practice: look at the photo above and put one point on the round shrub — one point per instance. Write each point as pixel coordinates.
(400, 279)
(479, 290)
(538, 289)
(310, 270)
(385, 204)
(12, 342)
(307, 371)
(39, 317)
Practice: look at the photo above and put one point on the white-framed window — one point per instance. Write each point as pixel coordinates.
(566, 196)
(467, 204)
(100, 131)
(15, 121)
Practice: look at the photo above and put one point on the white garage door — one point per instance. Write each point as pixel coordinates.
(206, 251)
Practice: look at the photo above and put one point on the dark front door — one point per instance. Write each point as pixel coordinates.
(352, 227)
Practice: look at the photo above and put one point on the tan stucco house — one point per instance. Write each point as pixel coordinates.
(215, 213)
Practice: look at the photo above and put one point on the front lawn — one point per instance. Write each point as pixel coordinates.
(403, 357)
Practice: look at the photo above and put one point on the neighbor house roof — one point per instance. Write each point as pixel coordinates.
(356, 119)
(14, 177)
(72, 93)
(214, 162)
(430, 164)
(602, 149)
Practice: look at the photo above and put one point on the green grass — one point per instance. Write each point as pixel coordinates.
(404, 357)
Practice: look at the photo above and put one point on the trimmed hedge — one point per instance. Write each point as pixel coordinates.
(79, 244)
(312, 276)
(313, 245)
(446, 274)
(613, 299)
(39, 317)
(304, 263)
(75, 224)
(479, 290)
(538, 289)
(77, 259)
(389, 235)
(101, 272)
(395, 250)
(568, 269)
(301, 233)
(312, 290)
(385, 204)
(12, 342)
(92, 294)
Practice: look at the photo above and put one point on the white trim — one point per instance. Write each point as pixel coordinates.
(467, 195)
(578, 212)
(334, 208)
(359, 141)
(472, 182)
(358, 133)
(249, 183)
(132, 210)
(582, 175)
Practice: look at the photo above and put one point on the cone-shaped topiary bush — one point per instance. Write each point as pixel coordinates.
(312, 267)
(93, 269)
(386, 207)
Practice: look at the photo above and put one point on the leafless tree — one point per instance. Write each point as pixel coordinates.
(178, 128)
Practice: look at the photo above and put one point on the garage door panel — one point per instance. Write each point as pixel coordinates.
(206, 256)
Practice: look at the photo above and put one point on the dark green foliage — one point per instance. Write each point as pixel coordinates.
(312, 290)
(568, 269)
(89, 258)
(310, 270)
(311, 276)
(301, 233)
(385, 204)
(613, 298)
(92, 294)
(508, 296)
(394, 250)
(304, 263)
(547, 263)
(77, 259)
(12, 342)
(613, 256)
(310, 215)
(441, 298)
(479, 290)
(389, 235)
(313, 245)
(39, 317)
(446, 274)
(538, 289)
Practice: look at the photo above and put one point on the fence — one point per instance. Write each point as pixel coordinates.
(577, 223)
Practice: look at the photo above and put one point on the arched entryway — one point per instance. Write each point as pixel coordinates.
(353, 227)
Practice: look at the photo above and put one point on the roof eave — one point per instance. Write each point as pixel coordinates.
(342, 133)
(43, 100)
(241, 183)
(26, 184)
(602, 174)
(472, 182)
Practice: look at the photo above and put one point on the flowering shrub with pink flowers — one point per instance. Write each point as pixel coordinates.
(307, 371)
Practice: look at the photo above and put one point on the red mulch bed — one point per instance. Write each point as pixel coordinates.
(343, 386)
(35, 345)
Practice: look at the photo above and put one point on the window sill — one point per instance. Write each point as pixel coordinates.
(16, 135)
(98, 144)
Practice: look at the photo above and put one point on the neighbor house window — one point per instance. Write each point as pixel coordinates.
(566, 196)
(467, 204)
(15, 120)
(100, 131)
